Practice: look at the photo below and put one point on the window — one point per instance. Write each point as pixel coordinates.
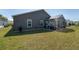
(41, 22)
(46, 23)
(29, 23)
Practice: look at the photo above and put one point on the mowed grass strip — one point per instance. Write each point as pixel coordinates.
(53, 40)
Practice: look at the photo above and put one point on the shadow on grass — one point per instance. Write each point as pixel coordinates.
(12, 33)
(66, 30)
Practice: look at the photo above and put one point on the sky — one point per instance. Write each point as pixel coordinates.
(71, 14)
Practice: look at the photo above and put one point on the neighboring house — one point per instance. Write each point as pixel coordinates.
(58, 21)
(3, 22)
(36, 19)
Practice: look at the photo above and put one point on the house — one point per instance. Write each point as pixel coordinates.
(58, 21)
(3, 22)
(36, 19)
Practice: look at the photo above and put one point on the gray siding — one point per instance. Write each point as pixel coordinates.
(21, 20)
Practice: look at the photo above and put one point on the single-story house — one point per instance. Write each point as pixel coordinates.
(3, 23)
(37, 19)
(58, 21)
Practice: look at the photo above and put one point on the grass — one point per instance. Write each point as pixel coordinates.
(41, 40)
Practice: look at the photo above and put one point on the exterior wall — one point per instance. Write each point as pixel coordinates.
(61, 22)
(3, 23)
(21, 20)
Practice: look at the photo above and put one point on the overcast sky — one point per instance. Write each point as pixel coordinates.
(72, 14)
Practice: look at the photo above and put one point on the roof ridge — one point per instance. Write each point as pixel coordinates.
(29, 12)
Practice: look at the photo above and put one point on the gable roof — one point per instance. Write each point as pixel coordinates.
(32, 12)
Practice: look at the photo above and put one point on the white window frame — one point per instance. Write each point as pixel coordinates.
(28, 23)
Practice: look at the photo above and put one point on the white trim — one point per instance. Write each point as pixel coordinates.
(27, 23)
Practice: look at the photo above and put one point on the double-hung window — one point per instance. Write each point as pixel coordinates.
(29, 23)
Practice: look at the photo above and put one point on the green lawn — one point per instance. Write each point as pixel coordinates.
(44, 40)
